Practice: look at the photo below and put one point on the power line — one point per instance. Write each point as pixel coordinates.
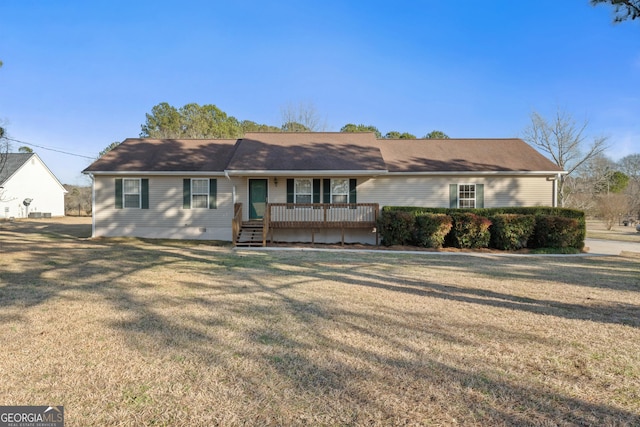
(48, 148)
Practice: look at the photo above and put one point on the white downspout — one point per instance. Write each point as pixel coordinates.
(233, 188)
(93, 205)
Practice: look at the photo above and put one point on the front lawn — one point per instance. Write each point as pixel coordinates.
(131, 332)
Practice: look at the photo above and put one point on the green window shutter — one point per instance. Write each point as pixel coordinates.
(353, 183)
(326, 190)
(290, 191)
(479, 196)
(144, 184)
(186, 193)
(316, 190)
(118, 193)
(290, 184)
(213, 193)
(453, 196)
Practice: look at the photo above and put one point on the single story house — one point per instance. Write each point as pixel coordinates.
(28, 187)
(320, 187)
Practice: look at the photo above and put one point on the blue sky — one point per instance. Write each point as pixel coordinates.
(79, 75)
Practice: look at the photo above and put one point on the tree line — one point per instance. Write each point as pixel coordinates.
(606, 189)
(194, 121)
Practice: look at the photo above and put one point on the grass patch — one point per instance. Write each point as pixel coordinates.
(565, 251)
(133, 332)
(597, 230)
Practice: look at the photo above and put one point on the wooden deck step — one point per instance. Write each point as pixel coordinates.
(250, 234)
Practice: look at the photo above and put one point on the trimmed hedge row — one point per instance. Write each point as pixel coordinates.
(499, 228)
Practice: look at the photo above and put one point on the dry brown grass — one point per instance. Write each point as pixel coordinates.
(129, 332)
(597, 230)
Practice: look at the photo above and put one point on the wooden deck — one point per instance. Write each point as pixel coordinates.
(319, 216)
(313, 217)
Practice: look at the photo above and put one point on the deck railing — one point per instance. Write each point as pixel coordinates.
(321, 215)
(317, 216)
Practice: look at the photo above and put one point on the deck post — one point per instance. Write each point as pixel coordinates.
(265, 224)
(375, 220)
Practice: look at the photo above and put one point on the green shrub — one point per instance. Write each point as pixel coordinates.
(558, 232)
(469, 231)
(396, 227)
(489, 212)
(570, 232)
(511, 231)
(431, 229)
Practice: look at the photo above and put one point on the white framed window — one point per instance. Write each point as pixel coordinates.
(466, 196)
(340, 190)
(303, 191)
(131, 193)
(199, 193)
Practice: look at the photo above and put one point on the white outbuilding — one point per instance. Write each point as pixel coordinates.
(28, 188)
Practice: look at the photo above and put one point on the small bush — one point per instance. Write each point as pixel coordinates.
(396, 227)
(511, 231)
(431, 229)
(470, 231)
(558, 232)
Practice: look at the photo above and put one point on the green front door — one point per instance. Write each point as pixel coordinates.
(257, 198)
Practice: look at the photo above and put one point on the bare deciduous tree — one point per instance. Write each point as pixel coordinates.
(5, 146)
(4, 149)
(630, 165)
(303, 117)
(611, 207)
(597, 177)
(564, 141)
(77, 201)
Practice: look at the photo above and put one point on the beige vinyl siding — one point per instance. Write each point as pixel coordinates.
(519, 191)
(433, 191)
(165, 217)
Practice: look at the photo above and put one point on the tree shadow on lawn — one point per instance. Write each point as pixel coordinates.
(615, 313)
(484, 396)
(54, 228)
(426, 388)
(615, 274)
(333, 390)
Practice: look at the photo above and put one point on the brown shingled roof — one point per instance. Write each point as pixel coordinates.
(312, 151)
(463, 155)
(323, 151)
(164, 155)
